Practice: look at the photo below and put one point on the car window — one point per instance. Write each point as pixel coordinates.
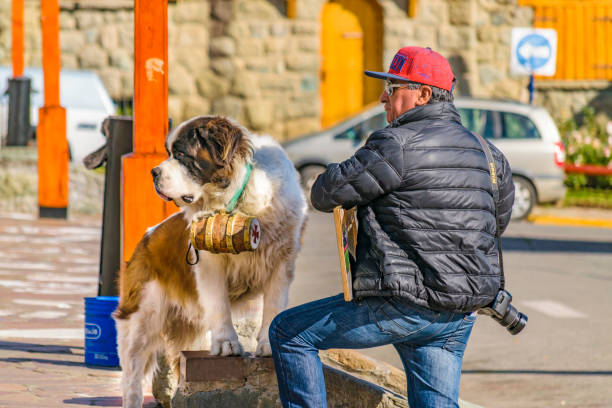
(517, 126)
(363, 130)
(482, 121)
(375, 123)
(352, 133)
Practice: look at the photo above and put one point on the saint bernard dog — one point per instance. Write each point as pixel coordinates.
(166, 304)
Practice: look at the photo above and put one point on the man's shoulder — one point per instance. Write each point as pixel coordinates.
(399, 133)
(384, 135)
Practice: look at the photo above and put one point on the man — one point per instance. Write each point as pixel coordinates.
(426, 254)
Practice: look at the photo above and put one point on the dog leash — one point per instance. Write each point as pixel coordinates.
(230, 207)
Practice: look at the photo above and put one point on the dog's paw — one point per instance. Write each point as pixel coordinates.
(226, 347)
(263, 348)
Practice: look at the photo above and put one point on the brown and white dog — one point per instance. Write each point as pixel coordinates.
(167, 305)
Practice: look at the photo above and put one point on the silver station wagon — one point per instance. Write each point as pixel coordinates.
(526, 134)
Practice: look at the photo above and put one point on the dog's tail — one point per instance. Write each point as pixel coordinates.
(130, 292)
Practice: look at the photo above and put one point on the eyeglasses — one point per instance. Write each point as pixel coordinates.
(390, 85)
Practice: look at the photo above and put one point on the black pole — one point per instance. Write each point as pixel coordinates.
(118, 131)
(531, 88)
(19, 111)
(119, 134)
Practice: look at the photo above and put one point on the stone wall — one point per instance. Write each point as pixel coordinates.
(246, 59)
(263, 67)
(565, 99)
(19, 184)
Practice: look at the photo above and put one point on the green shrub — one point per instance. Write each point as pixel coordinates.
(588, 197)
(587, 143)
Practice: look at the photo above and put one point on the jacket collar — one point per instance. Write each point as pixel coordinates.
(444, 111)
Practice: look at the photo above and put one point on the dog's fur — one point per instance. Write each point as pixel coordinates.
(166, 305)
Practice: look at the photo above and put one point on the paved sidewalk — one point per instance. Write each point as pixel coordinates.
(47, 267)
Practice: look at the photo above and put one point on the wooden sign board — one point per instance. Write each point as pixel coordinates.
(346, 238)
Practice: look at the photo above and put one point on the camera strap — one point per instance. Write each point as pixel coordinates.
(493, 178)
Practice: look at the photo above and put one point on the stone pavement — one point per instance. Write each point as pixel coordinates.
(47, 267)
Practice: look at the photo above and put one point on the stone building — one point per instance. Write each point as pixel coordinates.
(287, 67)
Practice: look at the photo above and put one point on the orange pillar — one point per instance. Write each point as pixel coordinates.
(17, 47)
(51, 131)
(141, 207)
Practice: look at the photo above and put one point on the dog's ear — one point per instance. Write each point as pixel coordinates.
(223, 140)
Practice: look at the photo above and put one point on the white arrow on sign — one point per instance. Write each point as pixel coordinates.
(529, 51)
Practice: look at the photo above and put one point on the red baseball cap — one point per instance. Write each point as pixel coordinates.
(422, 65)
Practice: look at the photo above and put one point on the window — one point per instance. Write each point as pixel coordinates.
(353, 133)
(481, 121)
(495, 124)
(373, 124)
(518, 127)
(361, 131)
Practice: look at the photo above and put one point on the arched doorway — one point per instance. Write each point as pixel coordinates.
(351, 41)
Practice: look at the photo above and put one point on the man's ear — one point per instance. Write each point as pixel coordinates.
(424, 95)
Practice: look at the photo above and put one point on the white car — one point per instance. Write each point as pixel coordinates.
(526, 134)
(83, 95)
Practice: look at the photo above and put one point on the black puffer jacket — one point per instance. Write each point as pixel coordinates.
(425, 211)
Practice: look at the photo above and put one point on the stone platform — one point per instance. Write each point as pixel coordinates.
(250, 382)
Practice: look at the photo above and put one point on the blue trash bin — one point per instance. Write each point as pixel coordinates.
(100, 331)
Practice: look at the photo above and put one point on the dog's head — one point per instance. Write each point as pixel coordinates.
(203, 150)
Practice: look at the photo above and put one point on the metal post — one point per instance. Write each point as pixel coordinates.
(119, 142)
(18, 86)
(19, 111)
(531, 88)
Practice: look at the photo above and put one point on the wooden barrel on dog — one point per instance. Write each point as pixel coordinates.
(226, 233)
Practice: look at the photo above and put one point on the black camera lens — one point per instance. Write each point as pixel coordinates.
(519, 325)
(510, 317)
(514, 321)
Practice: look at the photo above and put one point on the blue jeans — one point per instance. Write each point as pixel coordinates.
(430, 344)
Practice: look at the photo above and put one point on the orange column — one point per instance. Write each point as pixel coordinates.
(141, 207)
(17, 38)
(51, 130)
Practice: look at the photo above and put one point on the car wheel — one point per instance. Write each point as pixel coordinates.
(308, 175)
(524, 198)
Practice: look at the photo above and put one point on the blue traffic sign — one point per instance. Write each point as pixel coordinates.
(533, 51)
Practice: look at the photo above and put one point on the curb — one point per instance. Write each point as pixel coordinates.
(375, 371)
(570, 221)
(465, 404)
